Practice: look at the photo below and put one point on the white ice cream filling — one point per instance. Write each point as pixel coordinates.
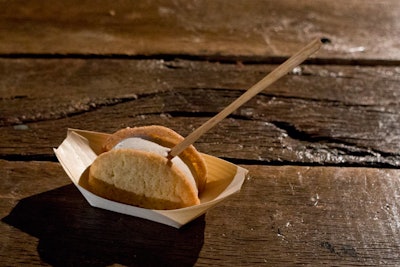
(149, 146)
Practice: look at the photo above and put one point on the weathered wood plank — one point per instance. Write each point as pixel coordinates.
(310, 216)
(316, 115)
(283, 216)
(254, 30)
(32, 90)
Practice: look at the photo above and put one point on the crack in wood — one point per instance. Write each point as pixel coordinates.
(69, 110)
(237, 161)
(346, 147)
(223, 59)
(33, 157)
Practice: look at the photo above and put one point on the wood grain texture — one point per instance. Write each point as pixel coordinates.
(283, 215)
(316, 115)
(251, 30)
(309, 216)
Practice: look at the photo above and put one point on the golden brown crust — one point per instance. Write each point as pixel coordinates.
(108, 191)
(168, 138)
(141, 179)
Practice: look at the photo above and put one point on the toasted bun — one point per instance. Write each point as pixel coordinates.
(167, 138)
(141, 179)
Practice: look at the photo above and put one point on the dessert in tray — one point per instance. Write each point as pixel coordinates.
(216, 179)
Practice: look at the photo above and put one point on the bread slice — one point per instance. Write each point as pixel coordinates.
(167, 138)
(141, 179)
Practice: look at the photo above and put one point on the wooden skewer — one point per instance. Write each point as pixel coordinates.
(273, 76)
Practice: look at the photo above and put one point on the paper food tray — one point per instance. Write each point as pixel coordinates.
(80, 149)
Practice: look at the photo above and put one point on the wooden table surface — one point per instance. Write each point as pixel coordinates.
(322, 145)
